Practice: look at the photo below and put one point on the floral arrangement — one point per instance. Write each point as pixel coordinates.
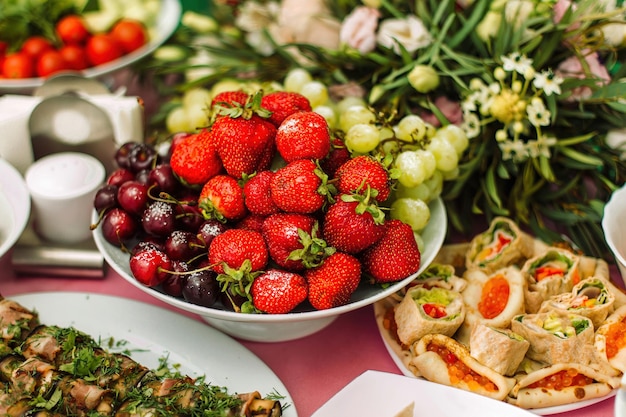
(538, 86)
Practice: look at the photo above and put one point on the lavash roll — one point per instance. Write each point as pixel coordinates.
(428, 310)
(476, 298)
(502, 244)
(553, 272)
(500, 349)
(556, 337)
(610, 339)
(526, 395)
(440, 275)
(591, 298)
(434, 368)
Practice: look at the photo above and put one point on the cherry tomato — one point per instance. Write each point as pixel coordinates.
(75, 57)
(50, 62)
(130, 34)
(72, 30)
(102, 48)
(35, 46)
(18, 65)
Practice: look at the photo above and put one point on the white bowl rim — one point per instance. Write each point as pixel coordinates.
(226, 315)
(13, 184)
(608, 209)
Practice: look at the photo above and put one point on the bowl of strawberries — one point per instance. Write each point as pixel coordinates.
(264, 224)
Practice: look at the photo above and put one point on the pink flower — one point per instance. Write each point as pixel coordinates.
(449, 108)
(572, 67)
(358, 29)
(307, 22)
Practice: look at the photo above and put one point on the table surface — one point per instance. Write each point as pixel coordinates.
(313, 368)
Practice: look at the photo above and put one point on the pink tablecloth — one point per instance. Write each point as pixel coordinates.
(313, 368)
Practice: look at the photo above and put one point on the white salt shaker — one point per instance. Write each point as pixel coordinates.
(62, 188)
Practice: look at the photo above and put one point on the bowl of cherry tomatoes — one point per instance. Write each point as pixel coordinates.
(73, 43)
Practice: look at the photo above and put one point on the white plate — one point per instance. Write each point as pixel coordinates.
(167, 22)
(401, 357)
(281, 327)
(377, 394)
(14, 206)
(153, 333)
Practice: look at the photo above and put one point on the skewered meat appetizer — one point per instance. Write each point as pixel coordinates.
(51, 371)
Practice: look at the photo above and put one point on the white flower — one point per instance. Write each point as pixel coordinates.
(517, 11)
(516, 62)
(513, 149)
(538, 115)
(471, 125)
(358, 29)
(540, 147)
(254, 17)
(410, 32)
(549, 82)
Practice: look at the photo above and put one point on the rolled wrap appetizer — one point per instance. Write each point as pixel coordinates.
(553, 272)
(610, 339)
(556, 338)
(502, 244)
(428, 310)
(491, 299)
(440, 275)
(443, 360)
(500, 349)
(559, 384)
(591, 298)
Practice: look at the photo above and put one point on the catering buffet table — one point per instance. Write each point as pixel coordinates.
(313, 368)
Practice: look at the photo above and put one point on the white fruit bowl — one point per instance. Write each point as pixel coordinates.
(614, 227)
(294, 325)
(166, 23)
(14, 206)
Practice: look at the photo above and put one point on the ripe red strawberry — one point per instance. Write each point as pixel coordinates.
(257, 194)
(221, 198)
(236, 246)
(283, 104)
(332, 283)
(395, 256)
(245, 145)
(195, 160)
(300, 187)
(292, 241)
(278, 292)
(361, 172)
(337, 156)
(150, 266)
(303, 135)
(230, 98)
(350, 227)
(251, 222)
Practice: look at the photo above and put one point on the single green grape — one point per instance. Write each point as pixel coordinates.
(421, 192)
(411, 169)
(316, 92)
(355, 115)
(329, 114)
(444, 152)
(177, 121)
(197, 97)
(362, 138)
(411, 128)
(413, 212)
(296, 79)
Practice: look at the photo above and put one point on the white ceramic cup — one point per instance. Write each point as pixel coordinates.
(62, 188)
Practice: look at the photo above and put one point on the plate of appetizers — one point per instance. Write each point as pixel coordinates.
(159, 339)
(532, 325)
